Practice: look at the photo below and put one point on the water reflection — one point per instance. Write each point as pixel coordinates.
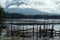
(18, 38)
(29, 28)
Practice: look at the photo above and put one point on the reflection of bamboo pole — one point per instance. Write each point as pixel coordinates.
(23, 33)
(27, 30)
(59, 33)
(46, 31)
(37, 32)
(55, 33)
(40, 31)
(49, 26)
(0, 37)
(52, 30)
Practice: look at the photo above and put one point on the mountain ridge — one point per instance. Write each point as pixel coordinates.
(28, 11)
(22, 16)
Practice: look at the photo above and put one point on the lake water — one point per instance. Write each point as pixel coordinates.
(56, 27)
(31, 38)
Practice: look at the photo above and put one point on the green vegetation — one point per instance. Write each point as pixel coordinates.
(22, 16)
(2, 15)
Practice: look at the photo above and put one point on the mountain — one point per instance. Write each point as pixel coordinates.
(22, 16)
(27, 11)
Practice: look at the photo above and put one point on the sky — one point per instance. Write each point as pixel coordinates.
(49, 6)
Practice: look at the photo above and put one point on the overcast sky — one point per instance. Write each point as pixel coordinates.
(51, 6)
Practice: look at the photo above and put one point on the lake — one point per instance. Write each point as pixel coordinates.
(9, 24)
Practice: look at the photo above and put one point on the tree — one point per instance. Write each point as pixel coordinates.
(2, 15)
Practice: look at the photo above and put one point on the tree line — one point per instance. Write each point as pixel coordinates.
(2, 15)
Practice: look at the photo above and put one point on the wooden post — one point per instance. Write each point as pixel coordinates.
(46, 30)
(40, 31)
(23, 32)
(37, 33)
(11, 25)
(33, 31)
(27, 31)
(52, 30)
(44, 25)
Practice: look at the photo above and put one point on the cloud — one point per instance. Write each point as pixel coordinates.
(12, 6)
(51, 6)
(2, 3)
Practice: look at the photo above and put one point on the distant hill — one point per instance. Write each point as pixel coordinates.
(27, 11)
(21, 16)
